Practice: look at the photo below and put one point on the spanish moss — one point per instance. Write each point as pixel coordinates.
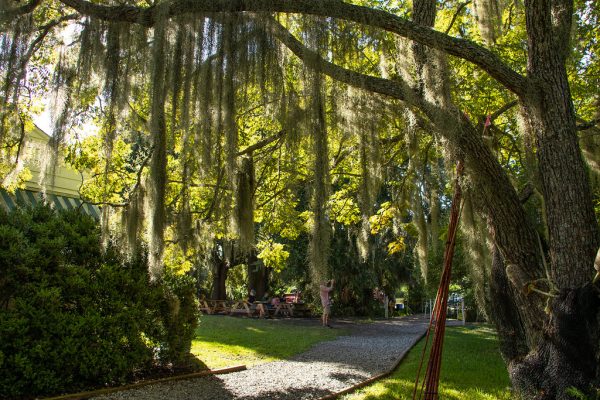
(320, 230)
(158, 165)
(244, 205)
(478, 254)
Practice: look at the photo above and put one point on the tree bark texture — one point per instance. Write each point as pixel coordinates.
(220, 270)
(220, 263)
(567, 353)
(505, 312)
(258, 275)
(572, 226)
(566, 357)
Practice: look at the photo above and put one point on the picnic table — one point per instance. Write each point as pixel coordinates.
(241, 307)
(214, 306)
(286, 309)
(301, 310)
(260, 307)
(292, 310)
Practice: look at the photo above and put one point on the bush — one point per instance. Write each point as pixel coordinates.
(179, 317)
(73, 316)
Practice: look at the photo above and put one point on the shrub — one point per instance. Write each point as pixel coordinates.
(73, 316)
(179, 317)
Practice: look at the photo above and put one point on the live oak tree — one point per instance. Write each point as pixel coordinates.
(208, 59)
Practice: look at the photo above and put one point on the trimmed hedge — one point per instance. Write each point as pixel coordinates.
(73, 316)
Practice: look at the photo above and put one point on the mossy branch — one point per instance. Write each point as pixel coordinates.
(462, 48)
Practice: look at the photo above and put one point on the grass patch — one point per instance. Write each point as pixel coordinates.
(472, 369)
(223, 341)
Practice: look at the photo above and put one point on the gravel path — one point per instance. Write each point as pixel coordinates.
(326, 368)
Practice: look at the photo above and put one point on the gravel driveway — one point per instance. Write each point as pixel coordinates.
(326, 368)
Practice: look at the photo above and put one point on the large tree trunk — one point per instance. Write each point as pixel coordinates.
(258, 275)
(565, 355)
(538, 345)
(505, 313)
(543, 338)
(572, 226)
(550, 342)
(220, 264)
(559, 334)
(220, 269)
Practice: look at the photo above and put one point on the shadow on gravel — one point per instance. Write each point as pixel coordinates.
(348, 377)
(202, 388)
(291, 394)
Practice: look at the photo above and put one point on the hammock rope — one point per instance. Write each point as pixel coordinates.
(437, 322)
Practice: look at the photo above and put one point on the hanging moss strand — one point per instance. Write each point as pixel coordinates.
(158, 163)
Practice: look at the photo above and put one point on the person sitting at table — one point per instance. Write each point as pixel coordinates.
(265, 298)
(254, 305)
(259, 308)
(275, 301)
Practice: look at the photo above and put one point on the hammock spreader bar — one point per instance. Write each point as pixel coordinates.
(437, 322)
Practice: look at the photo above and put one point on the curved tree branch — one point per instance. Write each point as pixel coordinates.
(461, 48)
(7, 15)
(396, 89)
(261, 144)
(456, 14)
(585, 125)
(503, 109)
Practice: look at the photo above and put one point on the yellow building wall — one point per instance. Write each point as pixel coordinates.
(66, 180)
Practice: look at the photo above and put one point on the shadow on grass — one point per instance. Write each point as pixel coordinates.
(193, 363)
(223, 340)
(403, 389)
(471, 369)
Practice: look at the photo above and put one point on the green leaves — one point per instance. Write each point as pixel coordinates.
(273, 255)
(344, 206)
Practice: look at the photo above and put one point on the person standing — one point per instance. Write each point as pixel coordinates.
(325, 292)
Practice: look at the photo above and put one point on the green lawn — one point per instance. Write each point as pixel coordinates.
(223, 341)
(471, 370)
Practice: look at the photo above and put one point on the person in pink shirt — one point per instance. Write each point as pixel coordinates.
(275, 301)
(324, 291)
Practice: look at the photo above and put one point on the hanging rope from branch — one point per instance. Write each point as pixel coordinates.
(437, 323)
